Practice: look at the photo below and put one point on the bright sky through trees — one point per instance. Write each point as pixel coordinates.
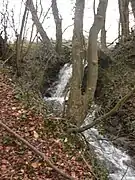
(66, 10)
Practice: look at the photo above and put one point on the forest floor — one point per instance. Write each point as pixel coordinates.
(17, 161)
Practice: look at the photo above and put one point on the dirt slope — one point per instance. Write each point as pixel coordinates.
(19, 162)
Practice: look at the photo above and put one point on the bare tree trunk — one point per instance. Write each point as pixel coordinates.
(124, 18)
(103, 38)
(58, 22)
(103, 33)
(92, 51)
(133, 7)
(39, 26)
(78, 103)
(75, 98)
(51, 57)
(19, 39)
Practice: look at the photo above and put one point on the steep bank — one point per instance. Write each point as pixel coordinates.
(112, 158)
(116, 82)
(46, 133)
(38, 68)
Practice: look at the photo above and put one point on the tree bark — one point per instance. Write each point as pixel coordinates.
(119, 30)
(103, 33)
(92, 55)
(103, 38)
(78, 103)
(75, 98)
(58, 23)
(124, 19)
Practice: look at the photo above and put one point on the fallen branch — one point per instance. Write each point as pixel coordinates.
(36, 151)
(8, 59)
(105, 116)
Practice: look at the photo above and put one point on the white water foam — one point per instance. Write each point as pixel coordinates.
(114, 158)
(64, 76)
(58, 91)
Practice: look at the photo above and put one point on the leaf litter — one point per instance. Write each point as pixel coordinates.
(17, 162)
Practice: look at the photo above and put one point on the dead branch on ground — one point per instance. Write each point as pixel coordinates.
(36, 151)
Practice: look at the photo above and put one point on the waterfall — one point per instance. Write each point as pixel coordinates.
(57, 91)
(116, 161)
(64, 76)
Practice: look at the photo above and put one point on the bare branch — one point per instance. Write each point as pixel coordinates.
(32, 40)
(124, 173)
(39, 26)
(113, 41)
(67, 28)
(46, 13)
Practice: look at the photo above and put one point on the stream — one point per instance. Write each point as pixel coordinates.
(116, 161)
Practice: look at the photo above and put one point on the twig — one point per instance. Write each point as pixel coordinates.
(124, 173)
(105, 116)
(113, 41)
(67, 28)
(36, 151)
(31, 41)
(8, 59)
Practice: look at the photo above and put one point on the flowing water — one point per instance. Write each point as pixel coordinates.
(57, 91)
(116, 161)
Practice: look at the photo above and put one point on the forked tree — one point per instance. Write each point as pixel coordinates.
(79, 103)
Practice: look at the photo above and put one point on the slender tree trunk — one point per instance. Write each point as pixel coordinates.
(19, 39)
(58, 22)
(75, 98)
(92, 52)
(103, 38)
(133, 7)
(124, 19)
(39, 27)
(50, 56)
(78, 103)
(103, 33)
